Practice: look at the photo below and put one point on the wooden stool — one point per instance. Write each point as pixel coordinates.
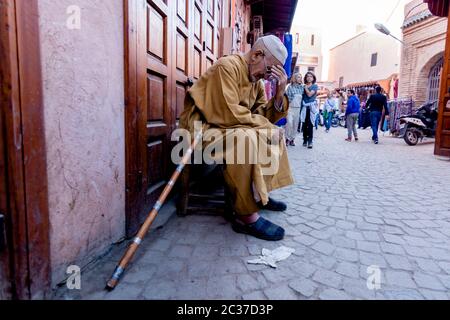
(203, 191)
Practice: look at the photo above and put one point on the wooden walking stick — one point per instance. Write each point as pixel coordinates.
(129, 254)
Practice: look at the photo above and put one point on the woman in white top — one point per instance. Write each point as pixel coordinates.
(295, 95)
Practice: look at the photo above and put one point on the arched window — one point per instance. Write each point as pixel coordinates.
(434, 81)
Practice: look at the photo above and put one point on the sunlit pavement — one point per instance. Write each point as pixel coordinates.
(366, 221)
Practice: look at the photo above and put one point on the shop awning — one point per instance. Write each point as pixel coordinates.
(385, 84)
(277, 14)
(438, 7)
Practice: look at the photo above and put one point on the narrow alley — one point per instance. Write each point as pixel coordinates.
(353, 206)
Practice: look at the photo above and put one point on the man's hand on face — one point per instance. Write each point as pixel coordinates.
(280, 75)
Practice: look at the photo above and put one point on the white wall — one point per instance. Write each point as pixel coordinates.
(83, 74)
(305, 48)
(352, 59)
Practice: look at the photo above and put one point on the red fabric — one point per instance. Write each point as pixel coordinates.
(438, 7)
(396, 89)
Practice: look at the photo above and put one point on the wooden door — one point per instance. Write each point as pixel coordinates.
(5, 272)
(443, 129)
(169, 44)
(24, 239)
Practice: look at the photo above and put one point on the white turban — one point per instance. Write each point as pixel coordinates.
(274, 45)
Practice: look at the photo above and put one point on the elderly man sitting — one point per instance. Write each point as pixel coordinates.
(231, 95)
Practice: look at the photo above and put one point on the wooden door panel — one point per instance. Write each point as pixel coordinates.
(182, 45)
(159, 120)
(197, 63)
(157, 23)
(210, 37)
(157, 98)
(182, 9)
(210, 6)
(198, 22)
(180, 95)
(5, 276)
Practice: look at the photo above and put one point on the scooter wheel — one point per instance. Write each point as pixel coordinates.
(411, 137)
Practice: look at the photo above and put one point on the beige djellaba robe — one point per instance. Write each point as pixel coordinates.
(225, 98)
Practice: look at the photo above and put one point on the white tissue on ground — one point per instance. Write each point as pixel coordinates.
(270, 258)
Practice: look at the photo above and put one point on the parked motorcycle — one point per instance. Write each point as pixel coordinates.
(422, 124)
(338, 120)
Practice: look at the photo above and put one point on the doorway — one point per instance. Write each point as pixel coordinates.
(24, 220)
(169, 44)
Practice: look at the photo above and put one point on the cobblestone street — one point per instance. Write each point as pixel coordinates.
(354, 205)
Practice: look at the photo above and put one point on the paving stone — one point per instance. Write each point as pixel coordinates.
(372, 259)
(390, 238)
(305, 240)
(345, 225)
(371, 236)
(236, 251)
(400, 279)
(416, 251)
(254, 296)
(343, 242)
(428, 282)
(445, 266)
(347, 269)
(392, 248)
(428, 265)
(247, 283)
(402, 294)
(435, 295)
(346, 254)
(398, 262)
(281, 293)
(333, 294)
(368, 246)
(304, 287)
(328, 278)
(354, 235)
(223, 287)
(324, 247)
(181, 251)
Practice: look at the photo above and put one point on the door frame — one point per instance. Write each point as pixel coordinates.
(22, 109)
(444, 99)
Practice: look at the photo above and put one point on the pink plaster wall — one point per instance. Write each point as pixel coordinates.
(84, 120)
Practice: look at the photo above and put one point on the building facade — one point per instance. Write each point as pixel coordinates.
(424, 36)
(367, 57)
(96, 90)
(307, 42)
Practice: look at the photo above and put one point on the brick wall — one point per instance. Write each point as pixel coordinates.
(424, 46)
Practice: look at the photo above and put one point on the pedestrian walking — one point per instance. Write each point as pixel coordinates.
(376, 103)
(330, 107)
(294, 93)
(309, 109)
(352, 114)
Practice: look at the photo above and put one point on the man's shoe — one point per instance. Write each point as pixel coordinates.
(274, 205)
(348, 139)
(261, 229)
(356, 139)
(292, 143)
(310, 145)
(376, 141)
(305, 144)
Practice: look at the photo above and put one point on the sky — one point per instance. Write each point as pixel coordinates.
(338, 19)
